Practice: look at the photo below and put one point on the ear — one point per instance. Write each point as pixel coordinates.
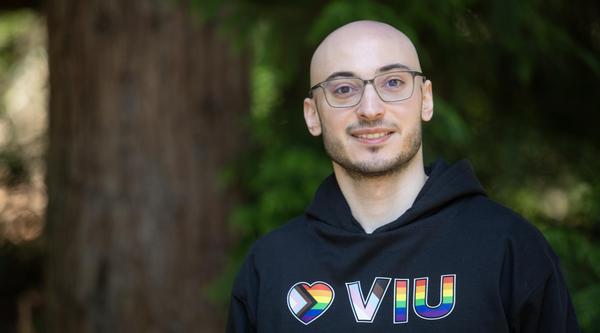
(311, 117)
(427, 105)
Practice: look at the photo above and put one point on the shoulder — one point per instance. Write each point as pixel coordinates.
(504, 229)
(523, 245)
(504, 221)
(531, 284)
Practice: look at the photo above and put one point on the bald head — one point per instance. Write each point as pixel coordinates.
(362, 48)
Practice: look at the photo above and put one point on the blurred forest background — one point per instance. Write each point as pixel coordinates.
(144, 145)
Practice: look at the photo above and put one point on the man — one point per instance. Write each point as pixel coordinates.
(387, 245)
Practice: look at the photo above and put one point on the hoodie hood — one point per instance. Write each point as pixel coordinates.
(446, 183)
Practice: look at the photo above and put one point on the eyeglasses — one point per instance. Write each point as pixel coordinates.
(347, 92)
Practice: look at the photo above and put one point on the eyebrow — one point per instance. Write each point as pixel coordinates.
(385, 68)
(393, 66)
(335, 75)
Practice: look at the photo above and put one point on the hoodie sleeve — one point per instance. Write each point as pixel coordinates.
(534, 290)
(547, 309)
(242, 308)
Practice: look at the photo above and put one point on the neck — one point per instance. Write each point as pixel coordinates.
(376, 201)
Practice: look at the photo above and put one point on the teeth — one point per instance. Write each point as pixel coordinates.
(372, 135)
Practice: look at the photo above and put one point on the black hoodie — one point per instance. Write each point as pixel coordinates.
(454, 262)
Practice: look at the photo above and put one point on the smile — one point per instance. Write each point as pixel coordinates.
(372, 135)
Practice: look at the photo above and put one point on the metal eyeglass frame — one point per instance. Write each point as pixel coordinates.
(365, 82)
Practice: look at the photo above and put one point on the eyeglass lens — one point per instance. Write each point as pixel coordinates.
(391, 87)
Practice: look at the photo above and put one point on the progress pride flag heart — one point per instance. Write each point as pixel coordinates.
(308, 302)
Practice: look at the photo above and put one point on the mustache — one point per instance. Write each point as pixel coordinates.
(370, 124)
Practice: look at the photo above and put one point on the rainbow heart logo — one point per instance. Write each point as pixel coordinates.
(308, 301)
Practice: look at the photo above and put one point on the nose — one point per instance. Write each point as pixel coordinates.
(370, 106)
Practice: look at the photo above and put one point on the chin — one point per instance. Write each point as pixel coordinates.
(375, 161)
(370, 168)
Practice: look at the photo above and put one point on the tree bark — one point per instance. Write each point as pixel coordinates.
(145, 110)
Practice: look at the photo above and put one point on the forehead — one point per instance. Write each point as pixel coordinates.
(362, 51)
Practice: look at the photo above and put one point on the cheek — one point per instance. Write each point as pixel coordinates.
(334, 121)
(408, 115)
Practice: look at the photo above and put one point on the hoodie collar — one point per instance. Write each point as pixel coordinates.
(446, 183)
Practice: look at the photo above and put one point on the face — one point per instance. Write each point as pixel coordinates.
(373, 138)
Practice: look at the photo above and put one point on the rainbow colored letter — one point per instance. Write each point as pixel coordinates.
(401, 301)
(365, 310)
(447, 298)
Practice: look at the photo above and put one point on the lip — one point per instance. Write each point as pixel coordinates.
(377, 135)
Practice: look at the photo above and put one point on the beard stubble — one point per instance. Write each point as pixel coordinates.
(374, 168)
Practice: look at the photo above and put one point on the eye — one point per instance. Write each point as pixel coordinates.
(393, 83)
(343, 90)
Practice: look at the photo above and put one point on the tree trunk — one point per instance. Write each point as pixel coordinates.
(145, 110)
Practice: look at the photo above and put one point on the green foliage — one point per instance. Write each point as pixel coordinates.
(15, 42)
(20, 260)
(514, 85)
(580, 254)
(282, 182)
(13, 168)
